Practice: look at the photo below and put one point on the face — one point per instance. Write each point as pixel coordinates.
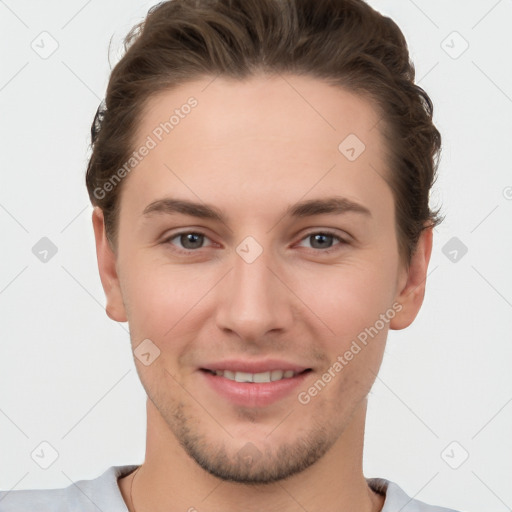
(287, 260)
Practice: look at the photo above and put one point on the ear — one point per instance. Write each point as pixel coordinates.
(107, 267)
(411, 289)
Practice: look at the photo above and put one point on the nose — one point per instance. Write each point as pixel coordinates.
(254, 299)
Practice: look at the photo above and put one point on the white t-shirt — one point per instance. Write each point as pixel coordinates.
(102, 494)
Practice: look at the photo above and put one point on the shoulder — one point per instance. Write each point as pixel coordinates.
(101, 493)
(397, 499)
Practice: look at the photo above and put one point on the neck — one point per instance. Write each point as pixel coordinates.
(169, 480)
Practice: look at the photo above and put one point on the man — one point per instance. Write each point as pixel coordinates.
(260, 176)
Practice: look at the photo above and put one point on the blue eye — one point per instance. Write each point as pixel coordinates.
(322, 238)
(191, 241)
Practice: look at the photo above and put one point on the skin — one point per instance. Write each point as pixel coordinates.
(252, 149)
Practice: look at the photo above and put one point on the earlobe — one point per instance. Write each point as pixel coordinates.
(412, 291)
(107, 268)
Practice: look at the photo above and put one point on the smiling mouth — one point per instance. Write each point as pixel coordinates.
(258, 378)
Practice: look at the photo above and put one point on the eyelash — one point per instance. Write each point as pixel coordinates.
(308, 235)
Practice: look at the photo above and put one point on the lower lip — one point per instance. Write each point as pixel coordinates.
(251, 394)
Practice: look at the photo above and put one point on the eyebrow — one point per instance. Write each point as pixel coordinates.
(331, 205)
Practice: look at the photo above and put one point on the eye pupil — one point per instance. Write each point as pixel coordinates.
(192, 238)
(319, 236)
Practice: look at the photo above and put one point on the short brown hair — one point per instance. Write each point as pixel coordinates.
(345, 42)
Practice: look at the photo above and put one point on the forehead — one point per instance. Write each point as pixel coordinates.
(261, 106)
(250, 138)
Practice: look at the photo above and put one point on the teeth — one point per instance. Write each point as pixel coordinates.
(256, 377)
(243, 377)
(276, 375)
(261, 377)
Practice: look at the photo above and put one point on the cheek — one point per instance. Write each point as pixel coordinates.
(166, 302)
(154, 298)
(350, 297)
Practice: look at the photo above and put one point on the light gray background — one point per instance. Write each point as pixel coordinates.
(67, 374)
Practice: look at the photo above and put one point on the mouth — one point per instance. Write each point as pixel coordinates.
(254, 389)
(258, 378)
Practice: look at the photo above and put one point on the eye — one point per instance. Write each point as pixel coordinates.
(323, 240)
(189, 240)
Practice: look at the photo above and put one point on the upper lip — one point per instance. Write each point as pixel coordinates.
(266, 365)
